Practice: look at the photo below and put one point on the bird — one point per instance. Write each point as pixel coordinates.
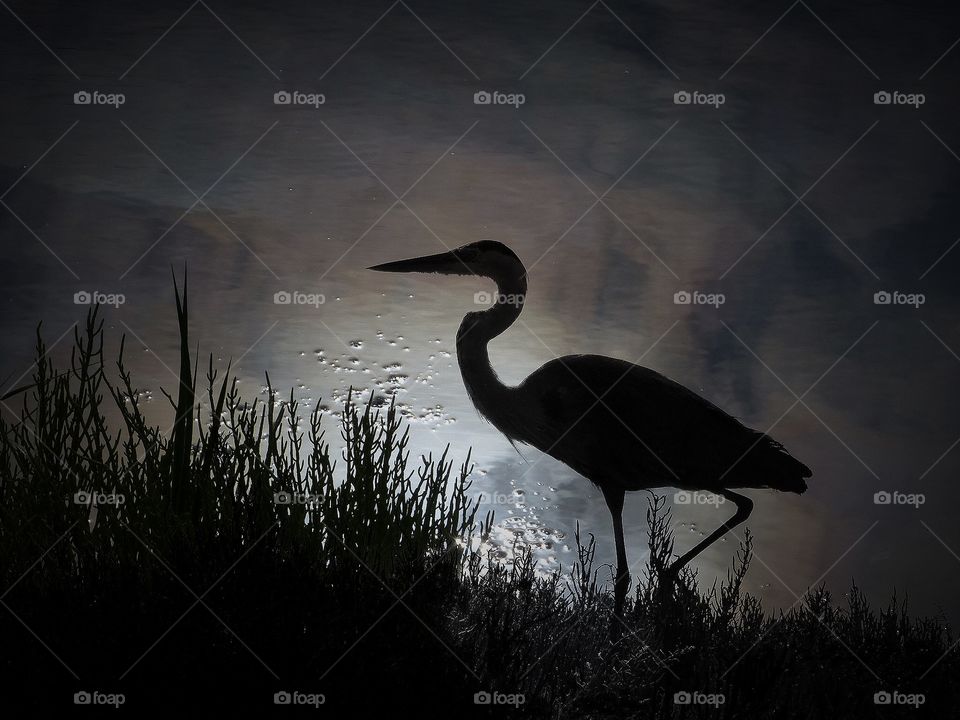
(620, 425)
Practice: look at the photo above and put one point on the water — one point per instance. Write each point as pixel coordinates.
(297, 199)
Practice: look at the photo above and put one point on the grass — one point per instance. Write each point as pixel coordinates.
(238, 555)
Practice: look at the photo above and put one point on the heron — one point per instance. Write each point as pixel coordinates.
(618, 424)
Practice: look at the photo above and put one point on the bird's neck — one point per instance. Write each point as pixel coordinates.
(485, 388)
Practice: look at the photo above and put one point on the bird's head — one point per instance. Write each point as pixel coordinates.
(486, 258)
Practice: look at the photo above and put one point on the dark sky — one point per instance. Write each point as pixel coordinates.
(798, 197)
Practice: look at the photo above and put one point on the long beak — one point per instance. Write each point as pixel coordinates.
(446, 263)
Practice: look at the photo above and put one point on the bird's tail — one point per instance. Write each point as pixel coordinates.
(770, 464)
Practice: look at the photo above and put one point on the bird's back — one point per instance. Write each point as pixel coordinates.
(616, 422)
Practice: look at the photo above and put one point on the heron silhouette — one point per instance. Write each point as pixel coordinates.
(620, 425)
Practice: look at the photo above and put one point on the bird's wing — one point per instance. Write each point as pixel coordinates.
(605, 416)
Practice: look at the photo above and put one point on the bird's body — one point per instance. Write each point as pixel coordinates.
(620, 425)
(625, 425)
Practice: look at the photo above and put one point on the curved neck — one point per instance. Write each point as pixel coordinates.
(485, 389)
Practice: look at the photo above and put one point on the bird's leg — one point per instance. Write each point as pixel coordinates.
(614, 498)
(744, 508)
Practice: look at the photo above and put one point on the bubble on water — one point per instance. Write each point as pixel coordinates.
(434, 416)
(357, 344)
(518, 532)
